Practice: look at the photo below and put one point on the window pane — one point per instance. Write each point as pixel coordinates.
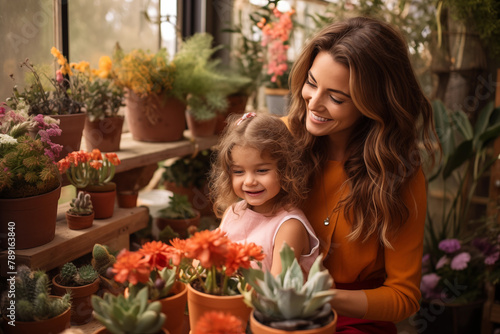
(26, 31)
(96, 25)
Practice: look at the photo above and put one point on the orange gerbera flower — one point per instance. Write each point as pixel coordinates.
(240, 256)
(132, 267)
(209, 247)
(218, 323)
(156, 253)
(177, 250)
(96, 154)
(113, 158)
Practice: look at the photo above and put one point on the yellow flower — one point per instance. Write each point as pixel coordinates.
(105, 65)
(83, 66)
(61, 60)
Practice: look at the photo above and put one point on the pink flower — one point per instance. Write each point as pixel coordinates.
(442, 262)
(460, 261)
(428, 283)
(492, 258)
(449, 245)
(59, 76)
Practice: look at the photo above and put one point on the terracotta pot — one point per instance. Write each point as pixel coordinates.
(198, 128)
(103, 199)
(77, 222)
(236, 105)
(277, 101)
(155, 118)
(174, 307)
(127, 199)
(199, 303)
(178, 225)
(49, 326)
(32, 218)
(72, 129)
(104, 134)
(81, 307)
(103, 330)
(259, 328)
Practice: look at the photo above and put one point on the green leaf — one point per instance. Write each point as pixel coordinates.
(459, 156)
(490, 133)
(483, 120)
(443, 127)
(461, 121)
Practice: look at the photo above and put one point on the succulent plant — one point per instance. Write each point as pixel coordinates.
(32, 299)
(286, 301)
(178, 208)
(102, 259)
(81, 205)
(70, 275)
(134, 314)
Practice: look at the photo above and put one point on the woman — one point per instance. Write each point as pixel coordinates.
(356, 106)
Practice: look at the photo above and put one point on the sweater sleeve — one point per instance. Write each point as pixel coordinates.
(399, 296)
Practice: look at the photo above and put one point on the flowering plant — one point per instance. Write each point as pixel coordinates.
(276, 30)
(104, 97)
(457, 271)
(88, 168)
(60, 95)
(27, 155)
(214, 322)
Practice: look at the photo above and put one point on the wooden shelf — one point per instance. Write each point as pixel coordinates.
(71, 244)
(135, 154)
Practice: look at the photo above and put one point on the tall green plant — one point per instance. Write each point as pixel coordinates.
(465, 159)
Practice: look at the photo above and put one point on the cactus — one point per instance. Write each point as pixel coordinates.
(130, 315)
(81, 205)
(286, 301)
(102, 259)
(32, 296)
(70, 275)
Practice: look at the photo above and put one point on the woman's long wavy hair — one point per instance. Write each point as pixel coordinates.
(268, 134)
(383, 152)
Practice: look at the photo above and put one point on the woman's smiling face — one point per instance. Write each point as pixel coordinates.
(330, 110)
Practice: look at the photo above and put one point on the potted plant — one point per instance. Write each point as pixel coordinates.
(92, 172)
(152, 113)
(102, 261)
(81, 283)
(36, 193)
(155, 266)
(211, 269)
(289, 303)
(35, 311)
(128, 315)
(453, 269)
(188, 176)
(103, 125)
(276, 29)
(179, 215)
(80, 215)
(60, 96)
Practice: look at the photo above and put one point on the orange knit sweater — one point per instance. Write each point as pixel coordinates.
(349, 262)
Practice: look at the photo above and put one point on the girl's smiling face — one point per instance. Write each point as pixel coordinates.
(330, 110)
(255, 177)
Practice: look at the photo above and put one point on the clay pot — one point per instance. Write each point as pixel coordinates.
(72, 129)
(127, 199)
(174, 307)
(81, 307)
(104, 134)
(236, 105)
(78, 222)
(199, 303)
(155, 118)
(32, 218)
(178, 225)
(257, 327)
(103, 199)
(198, 128)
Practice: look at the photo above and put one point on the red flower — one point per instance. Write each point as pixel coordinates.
(218, 323)
(240, 255)
(113, 158)
(177, 250)
(209, 247)
(96, 154)
(156, 253)
(132, 267)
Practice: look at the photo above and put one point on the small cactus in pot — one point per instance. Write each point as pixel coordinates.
(81, 205)
(70, 275)
(287, 301)
(80, 215)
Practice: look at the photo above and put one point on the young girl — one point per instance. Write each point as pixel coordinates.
(257, 182)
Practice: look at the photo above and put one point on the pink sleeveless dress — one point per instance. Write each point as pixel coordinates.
(244, 225)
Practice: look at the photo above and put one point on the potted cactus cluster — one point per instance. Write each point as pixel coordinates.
(81, 283)
(287, 304)
(35, 311)
(81, 212)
